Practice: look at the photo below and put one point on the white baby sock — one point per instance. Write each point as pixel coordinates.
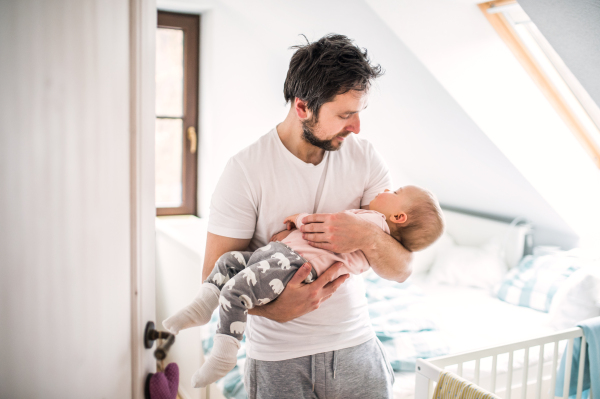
(196, 313)
(222, 360)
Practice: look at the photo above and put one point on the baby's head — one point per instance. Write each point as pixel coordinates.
(413, 215)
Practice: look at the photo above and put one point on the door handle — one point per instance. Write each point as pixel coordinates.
(151, 335)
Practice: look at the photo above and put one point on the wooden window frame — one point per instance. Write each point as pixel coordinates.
(529, 63)
(190, 24)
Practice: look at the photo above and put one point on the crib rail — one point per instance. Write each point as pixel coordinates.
(541, 385)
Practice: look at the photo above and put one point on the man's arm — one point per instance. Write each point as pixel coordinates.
(296, 299)
(216, 246)
(388, 258)
(344, 232)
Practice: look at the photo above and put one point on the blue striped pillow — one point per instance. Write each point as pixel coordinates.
(536, 279)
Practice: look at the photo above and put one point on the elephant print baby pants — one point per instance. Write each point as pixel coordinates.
(249, 279)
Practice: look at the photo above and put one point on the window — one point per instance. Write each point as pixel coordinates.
(546, 68)
(176, 133)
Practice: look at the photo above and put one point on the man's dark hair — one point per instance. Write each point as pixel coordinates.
(323, 69)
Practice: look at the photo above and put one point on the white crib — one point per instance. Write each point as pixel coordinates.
(533, 377)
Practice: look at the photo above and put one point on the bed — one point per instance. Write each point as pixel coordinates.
(522, 315)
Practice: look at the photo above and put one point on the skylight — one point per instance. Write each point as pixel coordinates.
(579, 111)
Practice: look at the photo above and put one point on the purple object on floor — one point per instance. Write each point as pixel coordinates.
(164, 385)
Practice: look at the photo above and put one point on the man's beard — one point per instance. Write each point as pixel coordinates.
(309, 136)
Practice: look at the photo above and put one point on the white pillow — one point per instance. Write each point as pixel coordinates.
(469, 266)
(423, 260)
(577, 299)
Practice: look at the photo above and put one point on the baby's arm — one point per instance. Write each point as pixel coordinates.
(294, 221)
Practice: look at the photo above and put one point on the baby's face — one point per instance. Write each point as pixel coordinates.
(394, 202)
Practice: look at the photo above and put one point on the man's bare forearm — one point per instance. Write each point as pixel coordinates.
(388, 258)
(216, 246)
(270, 311)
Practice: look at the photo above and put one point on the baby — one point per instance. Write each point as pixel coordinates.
(243, 280)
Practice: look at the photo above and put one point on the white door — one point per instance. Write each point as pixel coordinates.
(76, 197)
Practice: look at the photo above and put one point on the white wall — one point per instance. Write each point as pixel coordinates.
(178, 277)
(65, 200)
(556, 184)
(422, 132)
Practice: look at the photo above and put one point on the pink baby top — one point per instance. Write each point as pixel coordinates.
(321, 259)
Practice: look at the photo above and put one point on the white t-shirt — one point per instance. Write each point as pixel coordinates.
(263, 184)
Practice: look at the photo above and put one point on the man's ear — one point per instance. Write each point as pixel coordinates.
(399, 218)
(301, 108)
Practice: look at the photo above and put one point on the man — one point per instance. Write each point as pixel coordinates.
(303, 345)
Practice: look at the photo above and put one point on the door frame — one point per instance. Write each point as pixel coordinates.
(142, 37)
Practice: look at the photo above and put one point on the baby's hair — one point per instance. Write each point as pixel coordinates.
(424, 225)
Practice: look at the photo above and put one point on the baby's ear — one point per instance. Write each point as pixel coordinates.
(399, 218)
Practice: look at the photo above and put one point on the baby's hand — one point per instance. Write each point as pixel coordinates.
(290, 221)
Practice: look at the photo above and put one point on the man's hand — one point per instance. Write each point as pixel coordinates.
(299, 298)
(346, 232)
(338, 232)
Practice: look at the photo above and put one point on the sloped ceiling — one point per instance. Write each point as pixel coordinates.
(511, 122)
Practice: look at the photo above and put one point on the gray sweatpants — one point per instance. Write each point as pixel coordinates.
(249, 279)
(360, 372)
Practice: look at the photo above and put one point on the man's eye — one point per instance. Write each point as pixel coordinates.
(345, 117)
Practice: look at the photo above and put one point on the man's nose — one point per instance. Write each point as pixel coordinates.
(354, 124)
